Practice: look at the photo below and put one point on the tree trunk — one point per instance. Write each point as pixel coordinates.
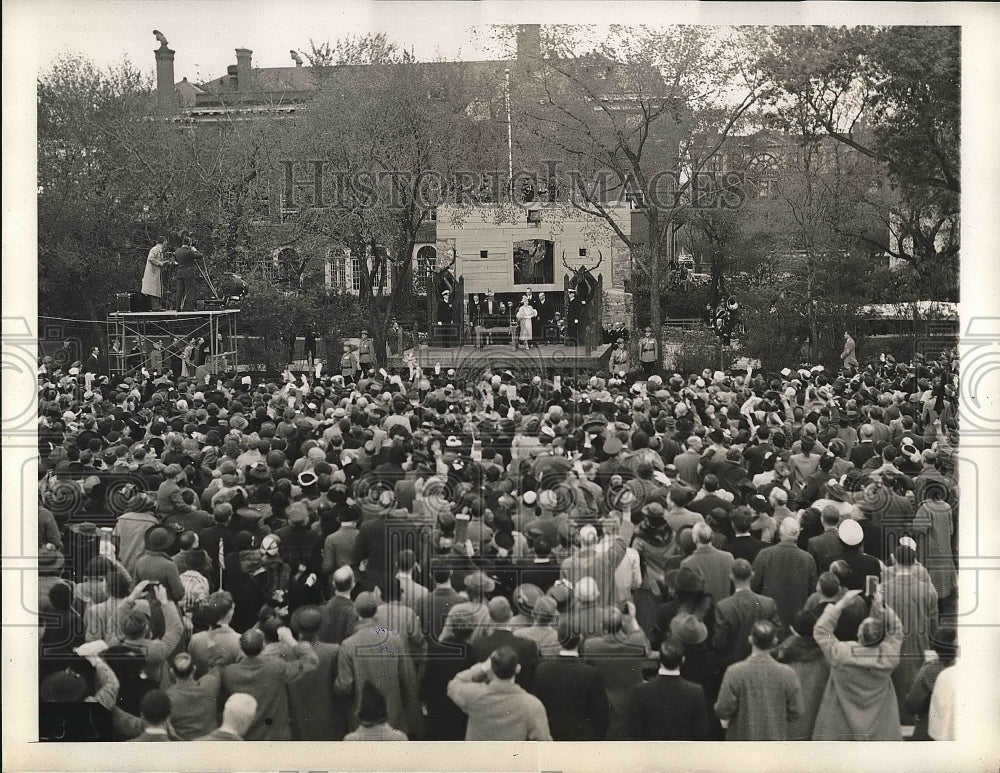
(655, 317)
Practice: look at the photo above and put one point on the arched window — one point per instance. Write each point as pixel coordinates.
(762, 174)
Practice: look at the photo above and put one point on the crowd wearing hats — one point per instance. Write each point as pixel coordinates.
(490, 556)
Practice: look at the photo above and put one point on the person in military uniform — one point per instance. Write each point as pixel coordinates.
(366, 354)
(619, 358)
(576, 318)
(348, 363)
(445, 319)
(647, 352)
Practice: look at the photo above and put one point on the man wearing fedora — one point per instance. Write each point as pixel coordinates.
(760, 698)
(155, 563)
(131, 527)
(169, 497)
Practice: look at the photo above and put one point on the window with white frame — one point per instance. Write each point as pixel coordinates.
(356, 270)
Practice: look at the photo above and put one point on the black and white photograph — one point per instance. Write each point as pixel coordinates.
(561, 377)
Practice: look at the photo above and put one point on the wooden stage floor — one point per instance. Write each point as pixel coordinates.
(500, 357)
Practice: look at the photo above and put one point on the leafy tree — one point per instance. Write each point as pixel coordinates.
(112, 177)
(892, 94)
(388, 137)
(637, 117)
(100, 188)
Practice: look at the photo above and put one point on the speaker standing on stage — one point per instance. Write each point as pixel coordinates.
(524, 315)
(152, 280)
(187, 273)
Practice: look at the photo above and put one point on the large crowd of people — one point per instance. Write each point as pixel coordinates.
(491, 556)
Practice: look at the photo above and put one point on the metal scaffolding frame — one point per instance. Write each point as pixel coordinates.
(173, 329)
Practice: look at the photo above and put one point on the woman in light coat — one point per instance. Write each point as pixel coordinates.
(859, 702)
(524, 316)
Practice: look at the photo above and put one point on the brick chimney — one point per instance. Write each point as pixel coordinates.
(166, 100)
(244, 70)
(529, 42)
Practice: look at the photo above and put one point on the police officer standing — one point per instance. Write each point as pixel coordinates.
(348, 363)
(366, 353)
(647, 352)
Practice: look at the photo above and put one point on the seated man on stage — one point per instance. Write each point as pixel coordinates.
(492, 315)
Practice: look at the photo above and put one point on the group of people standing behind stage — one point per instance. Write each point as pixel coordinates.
(535, 319)
(181, 356)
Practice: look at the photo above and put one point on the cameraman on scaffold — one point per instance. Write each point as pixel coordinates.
(187, 273)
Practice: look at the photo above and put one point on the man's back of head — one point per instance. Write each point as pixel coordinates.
(702, 533)
(155, 708)
(504, 663)
(763, 635)
(741, 572)
(343, 579)
(789, 530)
(239, 712)
(828, 584)
(252, 642)
(671, 654)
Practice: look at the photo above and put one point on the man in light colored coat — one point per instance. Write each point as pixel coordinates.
(760, 698)
(859, 703)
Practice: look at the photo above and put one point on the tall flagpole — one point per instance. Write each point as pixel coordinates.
(510, 142)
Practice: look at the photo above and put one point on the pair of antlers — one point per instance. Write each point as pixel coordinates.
(600, 259)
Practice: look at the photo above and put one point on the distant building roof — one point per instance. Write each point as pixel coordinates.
(270, 79)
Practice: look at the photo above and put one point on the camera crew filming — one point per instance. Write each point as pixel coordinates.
(188, 272)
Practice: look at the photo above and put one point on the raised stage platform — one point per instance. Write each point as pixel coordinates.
(133, 334)
(498, 357)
